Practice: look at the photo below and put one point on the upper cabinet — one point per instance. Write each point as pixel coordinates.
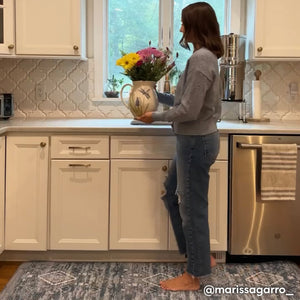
(46, 28)
(7, 40)
(273, 29)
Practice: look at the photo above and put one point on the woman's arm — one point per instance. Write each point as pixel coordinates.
(167, 99)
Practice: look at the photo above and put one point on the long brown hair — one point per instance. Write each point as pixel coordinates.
(200, 23)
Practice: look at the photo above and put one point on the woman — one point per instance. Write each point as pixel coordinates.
(196, 109)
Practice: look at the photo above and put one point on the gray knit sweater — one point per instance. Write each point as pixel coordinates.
(197, 104)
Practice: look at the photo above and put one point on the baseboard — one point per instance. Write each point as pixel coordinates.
(220, 256)
(104, 256)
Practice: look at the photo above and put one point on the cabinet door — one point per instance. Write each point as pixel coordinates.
(7, 44)
(138, 217)
(26, 193)
(79, 204)
(277, 26)
(217, 209)
(48, 27)
(2, 186)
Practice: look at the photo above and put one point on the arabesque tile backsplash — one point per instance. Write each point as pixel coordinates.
(68, 89)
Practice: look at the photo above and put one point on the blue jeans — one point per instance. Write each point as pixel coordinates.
(186, 198)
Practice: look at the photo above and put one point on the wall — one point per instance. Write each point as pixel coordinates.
(277, 103)
(68, 90)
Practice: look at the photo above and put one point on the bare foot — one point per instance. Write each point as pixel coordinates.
(213, 262)
(184, 282)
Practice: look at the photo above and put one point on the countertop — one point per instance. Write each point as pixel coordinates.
(123, 126)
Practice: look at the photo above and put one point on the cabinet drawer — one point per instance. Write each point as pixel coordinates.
(80, 147)
(161, 147)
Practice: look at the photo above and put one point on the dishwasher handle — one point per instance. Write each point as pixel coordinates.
(252, 146)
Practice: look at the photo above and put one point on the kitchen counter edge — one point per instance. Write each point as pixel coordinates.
(123, 126)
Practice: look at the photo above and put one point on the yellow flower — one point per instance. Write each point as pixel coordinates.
(128, 61)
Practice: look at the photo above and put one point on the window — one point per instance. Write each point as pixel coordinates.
(129, 25)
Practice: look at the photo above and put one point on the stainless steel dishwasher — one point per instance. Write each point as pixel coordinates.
(257, 227)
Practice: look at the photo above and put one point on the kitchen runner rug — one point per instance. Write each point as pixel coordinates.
(91, 281)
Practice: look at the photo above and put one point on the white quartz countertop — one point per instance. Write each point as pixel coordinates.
(123, 126)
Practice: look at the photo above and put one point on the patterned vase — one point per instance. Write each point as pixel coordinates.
(142, 97)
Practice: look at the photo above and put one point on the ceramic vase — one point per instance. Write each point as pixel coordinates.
(142, 97)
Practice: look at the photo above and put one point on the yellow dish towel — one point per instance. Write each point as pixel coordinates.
(278, 172)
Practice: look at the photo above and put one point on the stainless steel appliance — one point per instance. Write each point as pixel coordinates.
(6, 106)
(257, 227)
(232, 67)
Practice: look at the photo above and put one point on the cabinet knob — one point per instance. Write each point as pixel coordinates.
(164, 168)
(11, 46)
(43, 144)
(75, 47)
(259, 49)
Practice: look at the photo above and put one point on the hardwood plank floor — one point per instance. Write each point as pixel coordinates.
(7, 270)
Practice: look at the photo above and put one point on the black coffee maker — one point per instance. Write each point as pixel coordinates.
(6, 105)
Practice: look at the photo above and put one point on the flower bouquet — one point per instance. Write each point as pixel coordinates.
(144, 68)
(149, 64)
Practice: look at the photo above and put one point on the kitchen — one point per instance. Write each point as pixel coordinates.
(55, 106)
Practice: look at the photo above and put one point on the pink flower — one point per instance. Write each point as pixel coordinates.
(139, 63)
(149, 52)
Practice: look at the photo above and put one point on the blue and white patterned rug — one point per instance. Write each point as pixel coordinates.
(91, 281)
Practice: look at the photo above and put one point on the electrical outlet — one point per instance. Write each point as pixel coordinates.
(40, 92)
(294, 89)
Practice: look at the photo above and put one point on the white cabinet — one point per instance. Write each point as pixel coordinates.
(43, 28)
(79, 193)
(104, 193)
(217, 202)
(26, 193)
(79, 205)
(50, 27)
(7, 38)
(138, 217)
(273, 29)
(2, 185)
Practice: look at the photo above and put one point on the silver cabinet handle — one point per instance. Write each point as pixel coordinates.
(252, 146)
(79, 148)
(80, 165)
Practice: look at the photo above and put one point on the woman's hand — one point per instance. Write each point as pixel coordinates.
(146, 117)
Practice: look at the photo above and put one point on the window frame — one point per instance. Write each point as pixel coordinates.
(234, 17)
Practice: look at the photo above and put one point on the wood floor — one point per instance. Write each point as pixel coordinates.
(7, 270)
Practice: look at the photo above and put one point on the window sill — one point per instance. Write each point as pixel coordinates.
(104, 99)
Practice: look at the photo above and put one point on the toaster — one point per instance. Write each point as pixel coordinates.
(6, 106)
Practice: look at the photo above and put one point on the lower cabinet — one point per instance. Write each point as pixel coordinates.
(79, 199)
(217, 207)
(79, 205)
(2, 184)
(104, 193)
(138, 218)
(26, 193)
